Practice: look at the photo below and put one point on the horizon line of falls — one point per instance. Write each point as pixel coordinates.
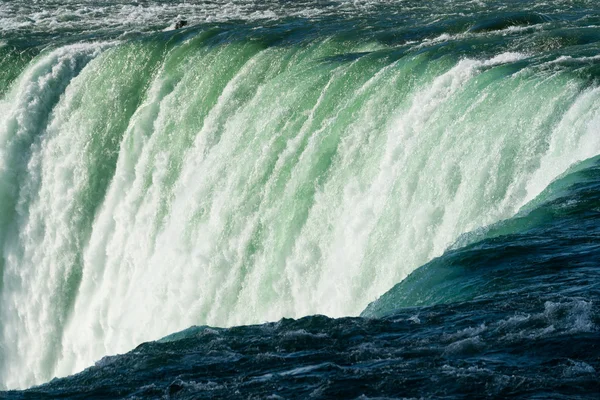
(146, 186)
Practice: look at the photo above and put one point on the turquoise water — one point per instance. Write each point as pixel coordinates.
(283, 160)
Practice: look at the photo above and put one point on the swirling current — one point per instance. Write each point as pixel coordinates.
(294, 199)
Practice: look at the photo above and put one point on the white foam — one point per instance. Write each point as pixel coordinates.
(22, 129)
(573, 60)
(505, 58)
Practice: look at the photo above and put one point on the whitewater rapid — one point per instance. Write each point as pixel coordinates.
(147, 187)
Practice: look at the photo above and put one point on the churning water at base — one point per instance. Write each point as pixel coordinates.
(291, 160)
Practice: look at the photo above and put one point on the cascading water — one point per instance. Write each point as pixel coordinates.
(239, 174)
